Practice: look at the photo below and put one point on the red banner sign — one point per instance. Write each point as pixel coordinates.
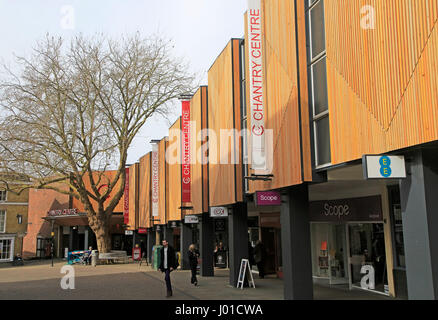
(155, 180)
(126, 199)
(186, 170)
(258, 158)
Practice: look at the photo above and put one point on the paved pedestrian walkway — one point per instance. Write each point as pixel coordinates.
(132, 281)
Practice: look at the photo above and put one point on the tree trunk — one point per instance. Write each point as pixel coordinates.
(103, 236)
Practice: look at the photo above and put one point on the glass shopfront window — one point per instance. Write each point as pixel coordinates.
(348, 243)
(397, 227)
(329, 253)
(367, 256)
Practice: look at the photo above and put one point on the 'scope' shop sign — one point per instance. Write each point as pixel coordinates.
(268, 198)
(355, 209)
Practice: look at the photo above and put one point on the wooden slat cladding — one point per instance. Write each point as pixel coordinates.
(133, 196)
(144, 190)
(282, 112)
(224, 115)
(174, 179)
(162, 185)
(382, 82)
(304, 90)
(197, 185)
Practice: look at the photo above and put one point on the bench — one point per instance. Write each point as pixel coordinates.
(113, 257)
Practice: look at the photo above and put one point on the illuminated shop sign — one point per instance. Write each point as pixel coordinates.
(218, 212)
(384, 167)
(191, 219)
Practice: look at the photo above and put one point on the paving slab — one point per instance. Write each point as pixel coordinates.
(134, 282)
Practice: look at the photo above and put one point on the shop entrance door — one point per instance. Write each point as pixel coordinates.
(270, 242)
(368, 257)
(338, 260)
(330, 253)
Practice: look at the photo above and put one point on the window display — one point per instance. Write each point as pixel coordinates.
(367, 248)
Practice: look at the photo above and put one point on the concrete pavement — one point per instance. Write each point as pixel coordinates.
(131, 281)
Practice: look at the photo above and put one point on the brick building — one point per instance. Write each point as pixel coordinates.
(13, 223)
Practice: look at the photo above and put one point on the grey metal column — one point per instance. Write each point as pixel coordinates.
(186, 241)
(295, 244)
(168, 235)
(419, 203)
(86, 238)
(70, 240)
(150, 244)
(238, 239)
(206, 245)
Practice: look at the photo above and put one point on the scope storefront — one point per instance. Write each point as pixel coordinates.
(348, 243)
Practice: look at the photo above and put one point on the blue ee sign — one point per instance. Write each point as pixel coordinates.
(385, 166)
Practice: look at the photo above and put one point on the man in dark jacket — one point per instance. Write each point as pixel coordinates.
(167, 264)
(193, 261)
(259, 257)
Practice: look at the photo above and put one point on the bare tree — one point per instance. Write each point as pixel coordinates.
(71, 112)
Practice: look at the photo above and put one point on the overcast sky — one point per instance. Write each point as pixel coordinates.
(200, 30)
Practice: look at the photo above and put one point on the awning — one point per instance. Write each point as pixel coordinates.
(79, 220)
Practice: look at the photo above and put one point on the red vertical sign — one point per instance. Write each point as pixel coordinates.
(185, 170)
(126, 199)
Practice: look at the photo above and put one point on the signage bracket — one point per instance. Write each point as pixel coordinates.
(262, 177)
(185, 208)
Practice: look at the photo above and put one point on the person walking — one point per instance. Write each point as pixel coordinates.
(251, 255)
(143, 248)
(259, 258)
(193, 261)
(167, 264)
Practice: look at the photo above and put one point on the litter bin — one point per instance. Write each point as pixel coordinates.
(94, 258)
(156, 256)
(18, 261)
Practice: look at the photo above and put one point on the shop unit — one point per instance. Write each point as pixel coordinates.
(225, 167)
(351, 227)
(203, 231)
(284, 227)
(372, 91)
(330, 98)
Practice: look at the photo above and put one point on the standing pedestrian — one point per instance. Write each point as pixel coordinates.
(167, 264)
(142, 249)
(193, 260)
(259, 257)
(251, 255)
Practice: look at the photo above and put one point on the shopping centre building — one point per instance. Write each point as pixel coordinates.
(340, 101)
(342, 87)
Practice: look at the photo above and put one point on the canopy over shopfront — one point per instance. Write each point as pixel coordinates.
(72, 217)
